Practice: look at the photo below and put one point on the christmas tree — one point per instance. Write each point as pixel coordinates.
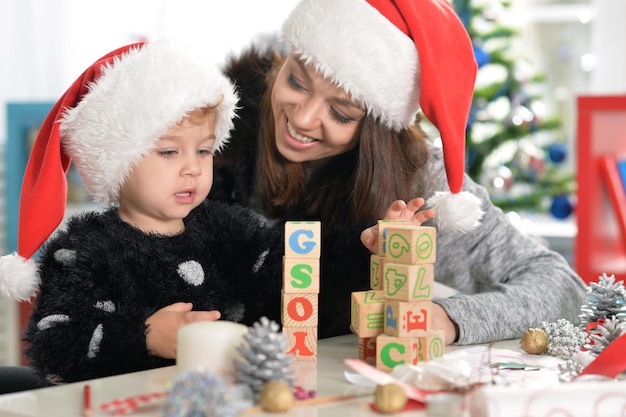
(513, 148)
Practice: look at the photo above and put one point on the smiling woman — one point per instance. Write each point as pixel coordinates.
(329, 130)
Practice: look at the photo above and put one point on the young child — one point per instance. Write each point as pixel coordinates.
(141, 125)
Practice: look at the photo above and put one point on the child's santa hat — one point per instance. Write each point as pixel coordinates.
(109, 118)
(398, 57)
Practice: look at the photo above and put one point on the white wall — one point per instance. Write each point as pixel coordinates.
(46, 44)
(609, 46)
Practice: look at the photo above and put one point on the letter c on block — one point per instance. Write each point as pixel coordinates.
(385, 354)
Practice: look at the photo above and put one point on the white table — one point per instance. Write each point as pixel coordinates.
(326, 376)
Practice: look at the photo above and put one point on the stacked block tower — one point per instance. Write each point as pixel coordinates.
(393, 318)
(301, 287)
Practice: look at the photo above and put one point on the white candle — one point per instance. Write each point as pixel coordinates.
(209, 346)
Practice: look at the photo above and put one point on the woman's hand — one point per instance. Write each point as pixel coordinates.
(163, 325)
(399, 210)
(440, 320)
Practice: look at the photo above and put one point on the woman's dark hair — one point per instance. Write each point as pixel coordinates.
(355, 187)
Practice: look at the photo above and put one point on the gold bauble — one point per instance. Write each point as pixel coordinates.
(534, 341)
(389, 398)
(277, 396)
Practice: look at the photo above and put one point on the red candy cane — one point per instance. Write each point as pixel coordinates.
(122, 406)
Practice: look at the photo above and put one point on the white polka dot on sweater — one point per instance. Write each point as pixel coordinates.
(107, 306)
(191, 272)
(94, 343)
(260, 261)
(65, 256)
(52, 320)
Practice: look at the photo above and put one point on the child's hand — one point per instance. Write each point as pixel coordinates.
(399, 210)
(163, 325)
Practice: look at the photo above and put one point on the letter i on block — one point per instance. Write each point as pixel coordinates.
(302, 343)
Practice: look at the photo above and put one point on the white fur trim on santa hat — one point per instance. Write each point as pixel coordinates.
(459, 212)
(136, 100)
(353, 44)
(19, 277)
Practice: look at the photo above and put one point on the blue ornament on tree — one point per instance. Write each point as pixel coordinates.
(557, 153)
(481, 56)
(561, 208)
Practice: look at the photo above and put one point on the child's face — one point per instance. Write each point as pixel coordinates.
(170, 181)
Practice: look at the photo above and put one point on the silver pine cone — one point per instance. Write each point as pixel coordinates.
(604, 334)
(264, 357)
(604, 299)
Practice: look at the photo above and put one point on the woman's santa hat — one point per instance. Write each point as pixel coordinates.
(108, 119)
(398, 57)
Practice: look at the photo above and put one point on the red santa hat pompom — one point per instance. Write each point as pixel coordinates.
(398, 57)
(110, 117)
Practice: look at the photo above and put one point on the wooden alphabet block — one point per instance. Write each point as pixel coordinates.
(303, 239)
(409, 244)
(301, 275)
(393, 351)
(299, 310)
(367, 350)
(382, 234)
(405, 282)
(407, 318)
(302, 343)
(376, 272)
(367, 314)
(432, 345)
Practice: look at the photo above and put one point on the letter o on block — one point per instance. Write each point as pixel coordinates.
(299, 310)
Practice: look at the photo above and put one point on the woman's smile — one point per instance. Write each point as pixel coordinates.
(297, 136)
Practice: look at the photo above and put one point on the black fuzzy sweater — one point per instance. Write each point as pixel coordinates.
(102, 278)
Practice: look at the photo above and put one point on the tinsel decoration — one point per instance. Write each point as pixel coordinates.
(604, 299)
(569, 370)
(264, 357)
(604, 334)
(564, 339)
(203, 394)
